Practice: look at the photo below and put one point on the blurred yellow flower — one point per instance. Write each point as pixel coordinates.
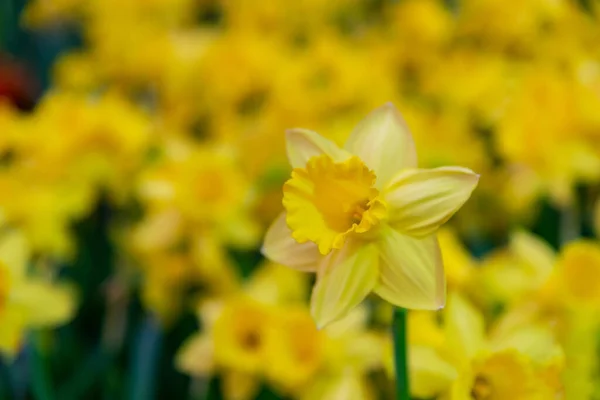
(508, 276)
(26, 302)
(199, 188)
(262, 333)
(474, 365)
(364, 217)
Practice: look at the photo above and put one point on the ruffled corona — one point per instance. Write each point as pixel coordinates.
(327, 201)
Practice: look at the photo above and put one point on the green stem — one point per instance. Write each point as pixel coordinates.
(400, 354)
(42, 384)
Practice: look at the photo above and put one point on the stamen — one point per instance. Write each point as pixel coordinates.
(482, 389)
(359, 210)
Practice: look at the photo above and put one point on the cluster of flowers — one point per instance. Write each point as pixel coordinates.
(173, 113)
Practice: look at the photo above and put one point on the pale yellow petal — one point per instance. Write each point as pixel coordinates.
(196, 356)
(274, 283)
(537, 255)
(280, 247)
(429, 374)
(537, 342)
(348, 384)
(14, 253)
(411, 271)
(420, 200)
(42, 303)
(344, 279)
(383, 141)
(464, 327)
(303, 144)
(352, 324)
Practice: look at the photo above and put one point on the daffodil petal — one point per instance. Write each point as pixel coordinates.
(411, 271)
(420, 200)
(14, 253)
(42, 303)
(196, 356)
(344, 279)
(280, 247)
(13, 329)
(537, 342)
(303, 144)
(430, 374)
(383, 141)
(464, 327)
(535, 252)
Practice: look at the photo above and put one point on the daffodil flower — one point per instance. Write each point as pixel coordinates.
(364, 217)
(26, 302)
(518, 362)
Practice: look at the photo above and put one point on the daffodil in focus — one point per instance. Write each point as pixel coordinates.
(26, 302)
(364, 217)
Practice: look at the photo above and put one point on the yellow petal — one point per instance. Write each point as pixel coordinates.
(14, 253)
(344, 279)
(196, 356)
(303, 144)
(43, 304)
(464, 328)
(352, 324)
(536, 254)
(280, 247)
(430, 374)
(579, 273)
(411, 271)
(420, 200)
(383, 141)
(536, 342)
(238, 385)
(13, 329)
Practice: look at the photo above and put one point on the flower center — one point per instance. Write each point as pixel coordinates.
(327, 201)
(482, 389)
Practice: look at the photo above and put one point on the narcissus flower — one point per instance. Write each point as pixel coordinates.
(520, 362)
(26, 302)
(364, 217)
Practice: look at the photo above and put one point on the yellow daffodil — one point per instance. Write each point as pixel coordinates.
(364, 217)
(513, 363)
(265, 331)
(198, 189)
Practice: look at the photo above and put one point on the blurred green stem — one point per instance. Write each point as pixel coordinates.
(400, 353)
(87, 374)
(41, 384)
(6, 387)
(146, 356)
